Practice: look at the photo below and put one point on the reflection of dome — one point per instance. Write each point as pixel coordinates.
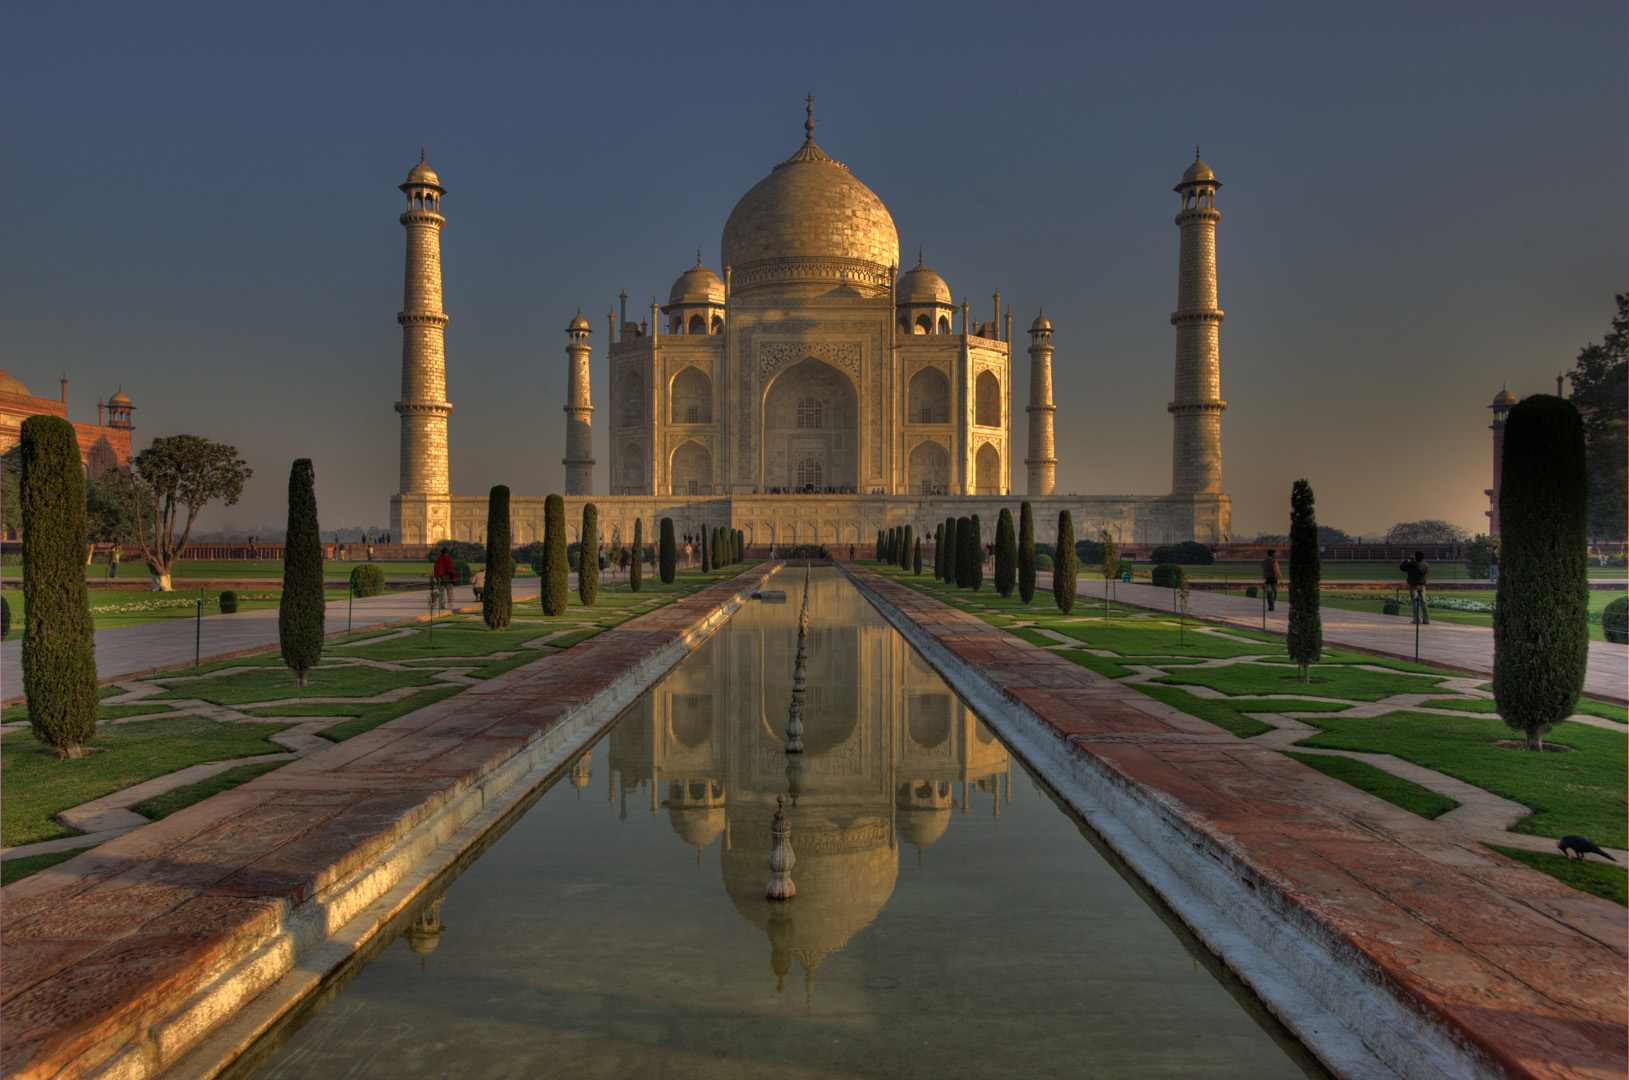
(698, 826)
(810, 209)
(922, 827)
(690, 728)
(929, 723)
(697, 285)
(919, 285)
(10, 385)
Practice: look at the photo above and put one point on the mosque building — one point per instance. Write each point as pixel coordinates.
(102, 445)
(810, 391)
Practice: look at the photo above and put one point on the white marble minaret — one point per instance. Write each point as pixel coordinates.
(1043, 460)
(423, 405)
(579, 459)
(1197, 405)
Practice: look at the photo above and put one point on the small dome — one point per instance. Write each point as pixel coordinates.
(697, 285)
(579, 323)
(919, 285)
(119, 398)
(1198, 173)
(423, 174)
(10, 385)
(1505, 398)
(1039, 324)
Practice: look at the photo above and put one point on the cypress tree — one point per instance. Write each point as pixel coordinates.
(905, 548)
(667, 557)
(975, 569)
(59, 659)
(1026, 553)
(1065, 564)
(302, 609)
(1541, 613)
(947, 568)
(939, 552)
(964, 553)
(500, 561)
(1006, 555)
(1306, 635)
(588, 563)
(878, 551)
(916, 559)
(554, 555)
(701, 541)
(725, 547)
(636, 565)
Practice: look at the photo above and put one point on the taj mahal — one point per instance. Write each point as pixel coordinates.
(813, 393)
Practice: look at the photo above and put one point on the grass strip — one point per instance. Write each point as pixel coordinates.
(162, 806)
(1328, 680)
(326, 681)
(1379, 783)
(1223, 714)
(363, 717)
(1596, 878)
(16, 869)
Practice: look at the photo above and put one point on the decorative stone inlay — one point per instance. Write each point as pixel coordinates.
(774, 355)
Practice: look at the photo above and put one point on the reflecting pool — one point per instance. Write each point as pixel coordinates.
(950, 919)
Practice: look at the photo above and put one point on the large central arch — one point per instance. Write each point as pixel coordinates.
(811, 426)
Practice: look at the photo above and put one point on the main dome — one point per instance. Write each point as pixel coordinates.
(810, 226)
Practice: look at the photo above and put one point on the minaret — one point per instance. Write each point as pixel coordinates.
(1502, 403)
(1042, 460)
(1196, 448)
(423, 406)
(579, 459)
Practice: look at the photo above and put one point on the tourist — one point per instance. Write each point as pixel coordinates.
(1416, 569)
(1493, 566)
(443, 576)
(477, 581)
(1270, 577)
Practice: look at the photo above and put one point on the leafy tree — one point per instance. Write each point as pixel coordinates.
(1006, 555)
(1600, 388)
(1328, 534)
(1541, 613)
(1306, 633)
(302, 610)
(1064, 566)
(500, 566)
(667, 559)
(555, 575)
(1089, 552)
(588, 566)
(1110, 565)
(1479, 556)
(58, 654)
(1187, 553)
(636, 567)
(1026, 553)
(184, 473)
(975, 569)
(11, 505)
(916, 559)
(1427, 531)
(110, 508)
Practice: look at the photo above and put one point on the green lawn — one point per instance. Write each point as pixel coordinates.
(181, 798)
(1394, 789)
(1328, 681)
(331, 569)
(17, 869)
(1486, 705)
(110, 610)
(1592, 876)
(1249, 573)
(1598, 599)
(269, 683)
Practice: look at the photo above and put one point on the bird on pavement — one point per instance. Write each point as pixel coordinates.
(1576, 847)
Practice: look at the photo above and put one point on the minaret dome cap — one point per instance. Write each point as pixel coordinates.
(579, 323)
(1505, 397)
(421, 175)
(1198, 173)
(1039, 324)
(122, 398)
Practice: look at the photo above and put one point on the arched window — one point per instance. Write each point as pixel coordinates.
(987, 400)
(811, 414)
(698, 325)
(718, 324)
(810, 472)
(633, 399)
(924, 324)
(944, 324)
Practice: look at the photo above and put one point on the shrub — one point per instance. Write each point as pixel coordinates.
(1187, 553)
(5, 617)
(1043, 561)
(367, 580)
(59, 659)
(1090, 552)
(302, 609)
(555, 581)
(1063, 573)
(1479, 556)
(1615, 620)
(530, 555)
(228, 602)
(1390, 607)
(1306, 631)
(1006, 555)
(1168, 575)
(668, 559)
(1027, 553)
(1541, 614)
(588, 563)
(500, 567)
(636, 565)
(1252, 592)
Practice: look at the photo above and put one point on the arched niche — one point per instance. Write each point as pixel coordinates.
(987, 468)
(928, 470)
(691, 470)
(811, 414)
(987, 400)
(928, 398)
(692, 397)
(697, 325)
(632, 466)
(631, 398)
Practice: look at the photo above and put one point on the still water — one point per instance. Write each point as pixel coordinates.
(950, 919)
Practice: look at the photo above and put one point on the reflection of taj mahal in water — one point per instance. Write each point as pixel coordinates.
(814, 392)
(891, 756)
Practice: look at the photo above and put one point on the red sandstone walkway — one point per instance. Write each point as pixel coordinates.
(96, 955)
(1512, 965)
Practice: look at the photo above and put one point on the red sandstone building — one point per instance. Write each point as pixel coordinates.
(102, 445)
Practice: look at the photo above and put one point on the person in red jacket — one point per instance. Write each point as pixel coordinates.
(443, 576)
(1270, 577)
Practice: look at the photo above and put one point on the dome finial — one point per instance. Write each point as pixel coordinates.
(421, 155)
(808, 117)
(698, 254)
(1196, 152)
(919, 255)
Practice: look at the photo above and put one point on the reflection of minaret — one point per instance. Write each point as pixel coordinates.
(1197, 405)
(424, 933)
(580, 773)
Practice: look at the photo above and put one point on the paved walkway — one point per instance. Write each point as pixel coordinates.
(1506, 963)
(1451, 645)
(140, 650)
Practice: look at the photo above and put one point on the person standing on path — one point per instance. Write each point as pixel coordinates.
(1493, 566)
(443, 575)
(1416, 569)
(1270, 577)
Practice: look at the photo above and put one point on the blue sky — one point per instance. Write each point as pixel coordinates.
(1421, 203)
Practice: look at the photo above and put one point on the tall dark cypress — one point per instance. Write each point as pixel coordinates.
(916, 559)
(59, 658)
(939, 552)
(588, 559)
(302, 609)
(976, 569)
(667, 555)
(555, 572)
(905, 547)
(1026, 553)
(965, 541)
(1065, 564)
(636, 564)
(1006, 555)
(948, 571)
(1541, 614)
(701, 541)
(1306, 632)
(500, 560)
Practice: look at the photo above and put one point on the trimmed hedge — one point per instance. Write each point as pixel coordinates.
(668, 560)
(1064, 571)
(1167, 575)
(496, 602)
(588, 563)
(367, 580)
(1306, 630)
(1006, 555)
(1043, 561)
(555, 579)
(1027, 564)
(1615, 620)
(228, 602)
(1187, 553)
(303, 608)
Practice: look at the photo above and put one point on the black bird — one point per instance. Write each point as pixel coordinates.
(1577, 847)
